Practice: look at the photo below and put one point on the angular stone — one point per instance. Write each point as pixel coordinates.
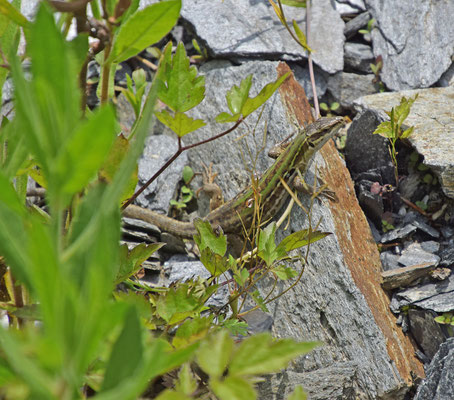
(433, 120)
(415, 39)
(358, 57)
(347, 87)
(440, 375)
(258, 32)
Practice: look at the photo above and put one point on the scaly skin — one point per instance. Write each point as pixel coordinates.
(240, 211)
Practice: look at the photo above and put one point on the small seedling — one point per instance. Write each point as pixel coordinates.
(393, 129)
(386, 226)
(186, 193)
(366, 32)
(203, 54)
(329, 108)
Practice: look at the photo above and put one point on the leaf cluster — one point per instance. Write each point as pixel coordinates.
(70, 331)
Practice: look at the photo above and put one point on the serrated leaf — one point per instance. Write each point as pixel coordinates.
(241, 277)
(181, 89)
(257, 297)
(301, 238)
(224, 118)
(143, 28)
(266, 245)
(384, 129)
(252, 104)
(214, 353)
(284, 273)
(207, 238)
(261, 354)
(214, 263)
(191, 331)
(131, 261)
(236, 327)
(177, 304)
(233, 388)
(180, 123)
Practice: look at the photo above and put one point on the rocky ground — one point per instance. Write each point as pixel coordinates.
(374, 310)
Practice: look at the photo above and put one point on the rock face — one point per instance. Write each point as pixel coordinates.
(415, 39)
(251, 29)
(433, 119)
(440, 375)
(339, 300)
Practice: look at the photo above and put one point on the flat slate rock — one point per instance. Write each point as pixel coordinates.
(250, 29)
(433, 119)
(415, 39)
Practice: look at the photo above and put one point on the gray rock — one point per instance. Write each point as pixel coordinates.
(251, 29)
(358, 57)
(415, 255)
(355, 24)
(426, 331)
(447, 79)
(347, 87)
(438, 297)
(433, 119)
(398, 233)
(440, 375)
(326, 304)
(447, 257)
(415, 39)
(158, 149)
(348, 7)
(389, 260)
(365, 151)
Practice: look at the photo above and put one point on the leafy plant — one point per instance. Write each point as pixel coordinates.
(366, 32)
(61, 265)
(330, 108)
(392, 129)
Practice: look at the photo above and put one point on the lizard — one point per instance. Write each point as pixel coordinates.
(239, 212)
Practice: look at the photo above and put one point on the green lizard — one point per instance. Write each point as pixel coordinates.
(240, 211)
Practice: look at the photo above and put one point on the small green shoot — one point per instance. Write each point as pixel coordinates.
(136, 89)
(386, 226)
(392, 130)
(366, 32)
(330, 109)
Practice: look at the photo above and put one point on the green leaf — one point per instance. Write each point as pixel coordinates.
(252, 104)
(127, 352)
(144, 28)
(237, 96)
(177, 304)
(131, 261)
(9, 11)
(191, 331)
(207, 238)
(301, 238)
(188, 174)
(294, 3)
(235, 327)
(297, 394)
(214, 353)
(257, 297)
(180, 123)
(284, 273)
(180, 89)
(224, 118)
(233, 388)
(266, 244)
(384, 129)
(215, 264)
(186, 383)
(301, 37)
(241, 276)
(261, 354)
(84, 153)
(405, 134)
(324, 106)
